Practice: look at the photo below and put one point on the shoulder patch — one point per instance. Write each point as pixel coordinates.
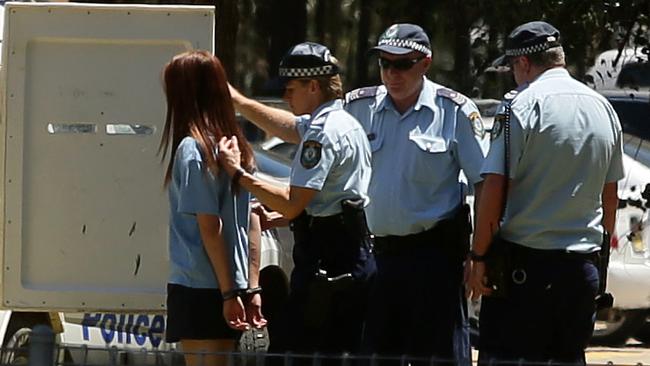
(455, 96)
(311, 153)
(497, 126)
(367, 92)
(477, 124)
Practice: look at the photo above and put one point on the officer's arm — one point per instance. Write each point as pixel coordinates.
(489, 212)
(274, 121)
(290, 202)
(478, 187)
(610, 204)
(254, 250)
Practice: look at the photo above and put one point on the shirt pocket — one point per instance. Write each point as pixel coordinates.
(430, 155)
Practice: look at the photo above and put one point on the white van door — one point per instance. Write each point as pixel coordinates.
(84, 218)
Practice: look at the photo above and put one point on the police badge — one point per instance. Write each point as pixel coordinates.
(311, 153)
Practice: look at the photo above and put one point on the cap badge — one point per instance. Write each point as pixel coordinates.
(391, 32)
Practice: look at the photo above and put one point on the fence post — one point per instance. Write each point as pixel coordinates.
(41, 346)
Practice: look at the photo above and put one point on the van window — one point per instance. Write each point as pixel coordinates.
(634, 75)
(634, 115)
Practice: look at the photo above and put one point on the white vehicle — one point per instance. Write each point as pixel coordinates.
(629, 270)
(604, 74)
(84, 215)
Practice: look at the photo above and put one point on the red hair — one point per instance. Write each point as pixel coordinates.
(199, 105)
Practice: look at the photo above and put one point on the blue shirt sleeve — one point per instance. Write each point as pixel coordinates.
(313, 161)
(471, 141)
(616, 171)
(302, 124)
(495, 160)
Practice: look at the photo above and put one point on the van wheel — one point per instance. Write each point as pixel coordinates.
(15, 346)
(619, 326)
(16, 349)
(643, 334)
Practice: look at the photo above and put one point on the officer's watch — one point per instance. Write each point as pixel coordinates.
(476, 257)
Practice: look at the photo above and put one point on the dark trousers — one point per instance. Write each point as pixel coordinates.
(548, 315)
(326, 316)
(417, 306)
(329, 323)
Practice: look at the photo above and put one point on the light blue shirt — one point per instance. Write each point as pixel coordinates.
(194, 190)
(417, 157)
(333, 158)
(566, 143)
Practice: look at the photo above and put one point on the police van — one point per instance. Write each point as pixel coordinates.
(84, 215)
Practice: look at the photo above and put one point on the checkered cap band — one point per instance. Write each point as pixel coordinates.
(306, 72)
(394, 42)
(531, 49)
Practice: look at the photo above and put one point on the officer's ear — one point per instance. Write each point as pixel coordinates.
(314, 86)
(427, 63)
(524, 63)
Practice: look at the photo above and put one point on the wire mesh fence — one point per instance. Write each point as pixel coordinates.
(43, 350)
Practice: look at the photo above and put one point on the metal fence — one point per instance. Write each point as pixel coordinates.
(44, 351)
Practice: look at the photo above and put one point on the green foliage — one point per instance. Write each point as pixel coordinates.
(466, 34)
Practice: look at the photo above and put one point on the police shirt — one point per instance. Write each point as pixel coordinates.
(194, 190)
(565, 144)
(333, 158)
(417, 156)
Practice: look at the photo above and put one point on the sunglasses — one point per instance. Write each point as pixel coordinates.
(401, 64)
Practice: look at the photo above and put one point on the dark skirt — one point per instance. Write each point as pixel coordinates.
(196, 313)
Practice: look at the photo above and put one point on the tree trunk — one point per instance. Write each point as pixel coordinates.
(289, 29)
(225, 36)
(363, 44)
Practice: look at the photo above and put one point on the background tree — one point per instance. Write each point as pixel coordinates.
(253, 35)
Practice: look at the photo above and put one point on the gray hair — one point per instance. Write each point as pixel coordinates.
(550, 58)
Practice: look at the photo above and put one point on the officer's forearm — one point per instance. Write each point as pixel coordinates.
(280, 199)
(274, 121)
(488, 212)
(477, 196)
(254, 251)
(610, 204)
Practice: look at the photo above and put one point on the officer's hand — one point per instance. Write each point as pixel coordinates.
(234, 94)
(229, 154)
(476, 282)
(234, 313)
(254, 311)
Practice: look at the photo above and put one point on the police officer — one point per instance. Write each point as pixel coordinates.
(560, 143)
(422, 135)
(325, 201)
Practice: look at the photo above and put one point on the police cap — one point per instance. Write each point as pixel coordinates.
(307, 60)
(400, 39)
(527, 39)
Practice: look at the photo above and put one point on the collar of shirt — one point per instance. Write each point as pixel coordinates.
(426, 98)
(553, 73)
(327, 107)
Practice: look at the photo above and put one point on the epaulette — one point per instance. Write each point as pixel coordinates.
(454, 96)
(511, 94)
(319, 121)
(356, 94)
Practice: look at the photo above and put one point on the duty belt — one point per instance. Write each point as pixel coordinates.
(522, 251)
(449, 236)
